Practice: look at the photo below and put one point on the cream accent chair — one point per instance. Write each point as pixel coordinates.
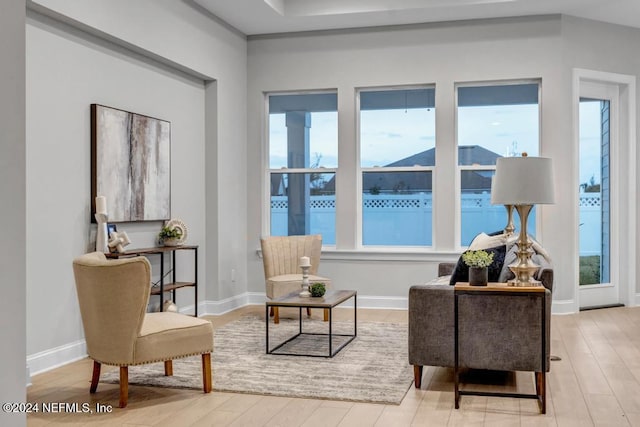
(281, 261)
(113, 297)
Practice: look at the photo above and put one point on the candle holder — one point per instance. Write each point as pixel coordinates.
(102, 238)
(305, 281)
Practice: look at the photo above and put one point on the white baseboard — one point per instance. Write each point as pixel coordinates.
(216, 308)
(567, 306)
(50, 359)
(389, 303)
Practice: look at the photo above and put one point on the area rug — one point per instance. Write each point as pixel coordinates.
(372, 368)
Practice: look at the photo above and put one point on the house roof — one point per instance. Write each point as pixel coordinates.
(420, 181)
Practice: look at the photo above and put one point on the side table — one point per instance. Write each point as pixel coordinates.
(539, 292)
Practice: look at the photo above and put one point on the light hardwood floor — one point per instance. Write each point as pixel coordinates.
(597, 382)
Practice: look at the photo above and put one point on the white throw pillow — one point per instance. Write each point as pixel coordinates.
(484, 241)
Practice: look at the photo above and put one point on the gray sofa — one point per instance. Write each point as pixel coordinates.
(483, 323)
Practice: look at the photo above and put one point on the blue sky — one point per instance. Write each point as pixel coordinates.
(391, 135)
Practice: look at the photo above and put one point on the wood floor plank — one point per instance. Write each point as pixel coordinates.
(605, 410)
(262, 410)
(199, 408)
(326, 416)
(294, 414)
(362, 415)
(435, 408)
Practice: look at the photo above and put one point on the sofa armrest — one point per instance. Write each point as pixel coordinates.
(446, 268)
(546, 277)
(431, 324)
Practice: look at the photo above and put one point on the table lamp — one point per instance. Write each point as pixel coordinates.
(523, 182)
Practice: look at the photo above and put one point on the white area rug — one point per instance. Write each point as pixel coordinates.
(372, 368)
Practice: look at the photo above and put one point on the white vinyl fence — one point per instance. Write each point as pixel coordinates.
(406, 219)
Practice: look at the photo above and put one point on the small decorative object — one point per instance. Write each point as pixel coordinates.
(174, 233)
(101, 218)
(318, 289)
(169, 306)
(305, 265)
(118, 241)
(111, 227)
(478, 261)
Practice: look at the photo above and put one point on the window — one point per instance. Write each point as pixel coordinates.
(303, 158)
(595, 191)
(397, 158)
(492, 121)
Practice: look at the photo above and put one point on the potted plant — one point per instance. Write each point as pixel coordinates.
(170, 236)
(317, 289)
(478, 263)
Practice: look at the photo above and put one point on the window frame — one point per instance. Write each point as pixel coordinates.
(381, 169)
(266, 165)
(461, 168)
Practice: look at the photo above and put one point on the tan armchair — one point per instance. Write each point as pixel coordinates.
(113, 297)
(281, 261)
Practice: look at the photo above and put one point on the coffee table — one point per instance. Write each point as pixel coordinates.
(330, 300)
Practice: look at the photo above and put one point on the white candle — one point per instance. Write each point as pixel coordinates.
(305, 261)
(101, 205)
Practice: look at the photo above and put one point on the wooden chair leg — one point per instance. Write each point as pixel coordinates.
(308, 312)
(95, 377)
(124, 386)
(206, 372)
(326, 314)
(276, 315)
(541, 391)
(271, 311)
(417, 375)
(168, 368)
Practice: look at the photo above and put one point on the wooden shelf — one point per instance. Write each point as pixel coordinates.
(163, 287)
(155, 290)
(149, 251)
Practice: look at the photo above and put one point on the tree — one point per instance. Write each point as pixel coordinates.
(591, 186)
(316, 179)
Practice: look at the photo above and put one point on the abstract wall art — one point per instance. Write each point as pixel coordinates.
(130, 164)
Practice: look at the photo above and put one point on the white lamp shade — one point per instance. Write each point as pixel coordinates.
(523, 181)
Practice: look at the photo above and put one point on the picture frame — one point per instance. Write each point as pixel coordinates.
(130, 165)
(111, 227)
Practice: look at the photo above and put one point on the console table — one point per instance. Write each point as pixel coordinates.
(174, 284)
(464, 289)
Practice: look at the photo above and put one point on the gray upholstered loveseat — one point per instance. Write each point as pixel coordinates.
(431, 328)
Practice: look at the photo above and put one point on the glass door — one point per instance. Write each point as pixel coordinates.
(597, 138)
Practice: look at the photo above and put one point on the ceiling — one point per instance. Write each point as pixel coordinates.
(253, 17)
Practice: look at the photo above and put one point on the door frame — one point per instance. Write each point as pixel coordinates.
(605, 293)
(623, 222)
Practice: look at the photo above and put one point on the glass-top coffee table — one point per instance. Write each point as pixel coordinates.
(330, 300)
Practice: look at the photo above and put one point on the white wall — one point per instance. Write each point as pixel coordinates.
(12, 208)
(610, 48)
(66, 74)
(71, 66)
(441, 54)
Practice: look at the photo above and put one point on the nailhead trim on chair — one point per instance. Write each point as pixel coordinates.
(181, 356)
